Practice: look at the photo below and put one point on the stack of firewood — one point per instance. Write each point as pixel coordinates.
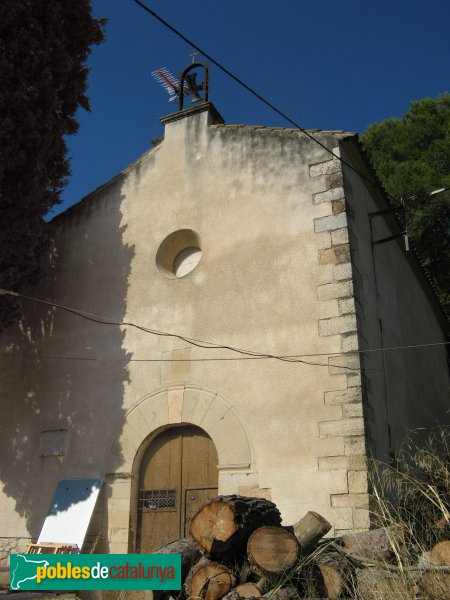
(239, 550)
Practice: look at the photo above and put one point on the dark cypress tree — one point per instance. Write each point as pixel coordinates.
(44, 45)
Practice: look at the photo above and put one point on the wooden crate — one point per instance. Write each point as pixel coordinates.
(50, 548)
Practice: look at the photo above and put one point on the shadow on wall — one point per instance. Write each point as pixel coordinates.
(62, 376)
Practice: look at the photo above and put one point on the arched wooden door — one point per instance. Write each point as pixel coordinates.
(178, 474)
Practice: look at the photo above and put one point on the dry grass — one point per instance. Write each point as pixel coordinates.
(413, 492)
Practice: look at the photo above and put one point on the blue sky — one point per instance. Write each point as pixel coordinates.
(327, 64)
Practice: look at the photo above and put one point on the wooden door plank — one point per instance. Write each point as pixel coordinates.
(199, 470)
(161, 470)
(180, 459)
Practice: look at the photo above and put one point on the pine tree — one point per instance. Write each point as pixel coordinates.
(412, 158)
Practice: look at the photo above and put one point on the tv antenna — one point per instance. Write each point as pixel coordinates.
(169, 82)
(186, 85)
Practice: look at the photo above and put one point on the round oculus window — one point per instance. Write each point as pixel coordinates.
(179, 254)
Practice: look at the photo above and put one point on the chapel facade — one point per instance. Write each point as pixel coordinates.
(232, 302)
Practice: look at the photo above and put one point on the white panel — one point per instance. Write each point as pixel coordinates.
(70, 511)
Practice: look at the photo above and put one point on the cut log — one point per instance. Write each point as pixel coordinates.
(310, 529)
(378, 584)
(337, 573)
(248, 590)
(272, 549)
(245, 591)
(309, 581)
(189, 551)
(263, 585)
(209, 580)
(381, 545)
(332, 580)
(441, 529)
(440, 554)
(233, 595)
(204, 560)
(246, 573)
(282, 593)
(435, 586)
(223, 525)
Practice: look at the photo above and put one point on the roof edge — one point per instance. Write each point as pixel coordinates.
(84, 199)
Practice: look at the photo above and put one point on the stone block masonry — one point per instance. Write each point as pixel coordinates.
(336, 193)
(12, 545)
(335, 256)
(349, 505)
(325, 168)
(330, 223)
(329, 291)
(336, 325)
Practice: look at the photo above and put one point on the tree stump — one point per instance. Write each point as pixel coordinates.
(272, 550)
(223, 525)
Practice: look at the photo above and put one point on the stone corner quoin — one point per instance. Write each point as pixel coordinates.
(350, 505)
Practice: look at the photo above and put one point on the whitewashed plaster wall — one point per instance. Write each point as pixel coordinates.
(268, 207)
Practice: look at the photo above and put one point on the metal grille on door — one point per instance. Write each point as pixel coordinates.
(157, 499)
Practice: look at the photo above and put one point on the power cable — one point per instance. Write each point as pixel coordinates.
(249, 354)
(260, 97)
(216, 359)
(143, 360)
(198, 343)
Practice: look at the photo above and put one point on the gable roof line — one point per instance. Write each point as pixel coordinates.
(84, 199)
(289, 130)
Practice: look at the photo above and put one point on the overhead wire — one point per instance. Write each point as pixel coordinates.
(257, 95)
(248, 354)
(194, 342)
(398, 203)
(218, 359)
(103, 359)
